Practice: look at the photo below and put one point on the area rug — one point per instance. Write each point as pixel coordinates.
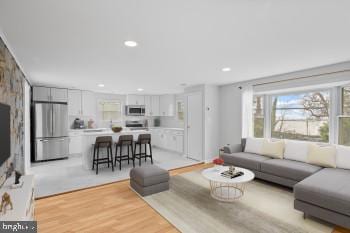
(263, 208)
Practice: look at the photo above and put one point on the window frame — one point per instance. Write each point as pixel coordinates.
(340, 112)
(264, 114)
(101, 112)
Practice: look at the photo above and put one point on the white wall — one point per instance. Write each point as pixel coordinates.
(211, 122)
(230, 114)
(230, 95)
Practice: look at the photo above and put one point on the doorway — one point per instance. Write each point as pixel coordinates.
(195, 126)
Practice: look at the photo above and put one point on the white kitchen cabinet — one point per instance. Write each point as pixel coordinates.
(41, 94)
(171, 142)
(75, 145)
(169, 139)
(74, 103)
(155, 105)
(152, 105)
(162, 139)
(135, 100)
(155, 134)
(167, 105)
(88, 103)
(179, 144)
(81, 103)
(148, 105)
(59, 95)
(50, 94)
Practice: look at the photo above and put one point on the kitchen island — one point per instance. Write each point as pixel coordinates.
(89, 137)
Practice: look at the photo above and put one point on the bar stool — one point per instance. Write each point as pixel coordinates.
(124, 140)
(102, 142)
(143, 139)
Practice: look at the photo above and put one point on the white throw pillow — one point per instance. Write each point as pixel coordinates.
(296, 150)
(322, 155)
(343, 157)
(273, 149)
(254, 145)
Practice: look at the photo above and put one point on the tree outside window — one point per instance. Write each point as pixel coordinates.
(301, 116)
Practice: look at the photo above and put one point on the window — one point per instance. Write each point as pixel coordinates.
(180, 110)
(258, 116)
(344, 119)
(110, 111)
(301, 116)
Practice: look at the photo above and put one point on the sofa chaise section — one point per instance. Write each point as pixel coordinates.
(288, 169)
(326, 195)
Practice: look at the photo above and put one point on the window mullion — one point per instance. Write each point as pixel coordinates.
(267, 116)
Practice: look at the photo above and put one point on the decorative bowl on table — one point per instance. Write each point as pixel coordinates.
(117, 129)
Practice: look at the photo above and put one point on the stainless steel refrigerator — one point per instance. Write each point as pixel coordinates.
(51, 131)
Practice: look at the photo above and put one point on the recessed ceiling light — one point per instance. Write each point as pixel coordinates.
(139, 89)
(226, 69)
(101, 85)
(130, 43)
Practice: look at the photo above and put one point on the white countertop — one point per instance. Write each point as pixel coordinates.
(107, 131)
(166, 128)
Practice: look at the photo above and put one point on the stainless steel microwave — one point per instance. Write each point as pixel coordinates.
(135, 110)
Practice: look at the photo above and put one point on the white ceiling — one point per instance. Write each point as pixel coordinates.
(79, 43)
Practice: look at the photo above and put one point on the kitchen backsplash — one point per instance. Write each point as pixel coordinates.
(171, 122)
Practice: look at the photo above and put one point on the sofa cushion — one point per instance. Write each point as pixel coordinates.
(296, 150)
(289, 169)
(322, 155)
(254, 145)
(328, 188)
(244, 159)
(149, 175)
(343, 157)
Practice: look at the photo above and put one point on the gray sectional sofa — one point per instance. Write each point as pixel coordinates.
(320, 192)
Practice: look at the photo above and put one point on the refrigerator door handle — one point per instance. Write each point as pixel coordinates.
(53, 121)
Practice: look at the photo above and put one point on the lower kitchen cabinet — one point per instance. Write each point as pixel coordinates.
(75, 143)
(169, 139)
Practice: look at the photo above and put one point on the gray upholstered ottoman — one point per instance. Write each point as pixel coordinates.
(149, 179)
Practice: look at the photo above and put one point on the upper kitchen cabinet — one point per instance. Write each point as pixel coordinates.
(167, 105)
(81, 103)
(135, 100)
(59, 95)
(50, 94)
(74, 103)
(41, 94)
(148, 105)
(155, 105)
(152, 105)
(88, 103)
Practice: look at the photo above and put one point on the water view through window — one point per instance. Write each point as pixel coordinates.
(301, 116)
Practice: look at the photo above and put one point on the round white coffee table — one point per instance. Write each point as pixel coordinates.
(226, 189)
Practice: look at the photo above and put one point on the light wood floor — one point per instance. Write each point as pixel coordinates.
(108, 208)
